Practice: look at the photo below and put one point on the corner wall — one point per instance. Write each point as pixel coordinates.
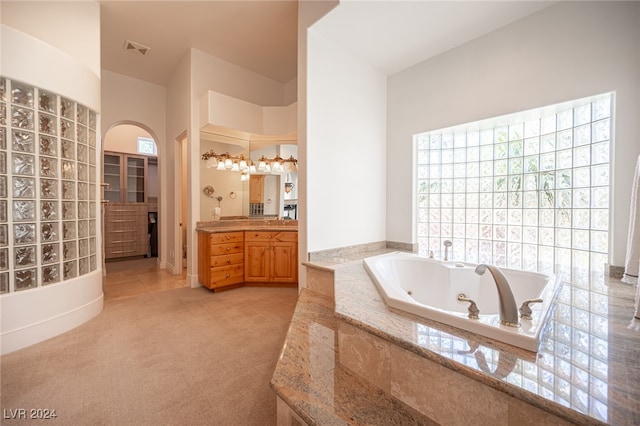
(345, 148)
(32, 55)
(567, 51)
(127, 100)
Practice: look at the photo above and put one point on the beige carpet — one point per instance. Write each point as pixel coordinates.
(129, 278)
(177, 357)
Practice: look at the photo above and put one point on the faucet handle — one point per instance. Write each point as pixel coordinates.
(525, 309)
(473, 308)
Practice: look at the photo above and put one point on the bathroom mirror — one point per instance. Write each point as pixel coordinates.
(262, 195)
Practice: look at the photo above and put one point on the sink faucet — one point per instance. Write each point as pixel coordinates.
(508, 307)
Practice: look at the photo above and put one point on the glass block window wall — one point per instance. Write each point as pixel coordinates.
(530, 192)
(48, 202)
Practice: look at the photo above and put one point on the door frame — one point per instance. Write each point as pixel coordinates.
(180, 197)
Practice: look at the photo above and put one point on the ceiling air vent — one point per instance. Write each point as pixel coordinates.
(136, 48)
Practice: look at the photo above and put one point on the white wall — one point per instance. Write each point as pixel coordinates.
(211, 73)
(345, 148)
(127, 100)
(308, 13)
(124, 138)
(65, 65)
(568, 51)
(177, 118)
(290, 92)
(68, 26)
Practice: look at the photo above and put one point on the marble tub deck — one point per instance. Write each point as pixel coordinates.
(348, 359)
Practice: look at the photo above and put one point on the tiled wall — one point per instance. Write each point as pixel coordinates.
(526, 194)
(48, 207)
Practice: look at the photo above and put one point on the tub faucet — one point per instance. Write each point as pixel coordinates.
(447, 244)
(508, 307)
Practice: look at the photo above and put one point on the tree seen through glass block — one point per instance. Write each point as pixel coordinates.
(528, 195)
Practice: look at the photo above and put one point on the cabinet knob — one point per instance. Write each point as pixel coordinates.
(228, 248)
(269, 235)
(228, 276)
(228, 260)
(228, 237)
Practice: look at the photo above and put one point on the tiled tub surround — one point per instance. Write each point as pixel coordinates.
(585, 372)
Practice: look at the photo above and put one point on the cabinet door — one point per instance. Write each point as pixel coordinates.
(112, 176)
(284, 262)
(136, 180)
(256, 189)
(256, 258)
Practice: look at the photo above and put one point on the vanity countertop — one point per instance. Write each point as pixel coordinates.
(216, 226)
(586, 371)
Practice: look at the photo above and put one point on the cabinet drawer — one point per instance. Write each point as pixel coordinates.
(232, 259)
(226, 237)
(228, 248)
(121, 225)
(288, 236)
(126, 209)
(117, 251)
(119, 237)
(226, 275)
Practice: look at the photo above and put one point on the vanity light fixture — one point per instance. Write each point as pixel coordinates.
(246, 166)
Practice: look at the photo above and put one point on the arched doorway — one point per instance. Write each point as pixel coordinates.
(131, 194)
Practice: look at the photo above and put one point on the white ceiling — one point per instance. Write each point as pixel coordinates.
(261, 35)
(394, 35)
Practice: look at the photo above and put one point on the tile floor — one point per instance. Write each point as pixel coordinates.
(130, 278)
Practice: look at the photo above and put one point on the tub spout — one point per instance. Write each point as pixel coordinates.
(508, 307)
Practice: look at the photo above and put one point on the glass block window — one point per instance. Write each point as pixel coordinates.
(147, 146)
(525, 191)
(48, 206)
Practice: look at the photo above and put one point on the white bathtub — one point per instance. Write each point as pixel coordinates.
(429, 288)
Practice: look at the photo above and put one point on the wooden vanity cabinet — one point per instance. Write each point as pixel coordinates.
(271, 257)
(221, 259)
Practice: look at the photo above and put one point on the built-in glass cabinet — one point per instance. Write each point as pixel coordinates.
(112, 177)
(136, 179)
(125, 178)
